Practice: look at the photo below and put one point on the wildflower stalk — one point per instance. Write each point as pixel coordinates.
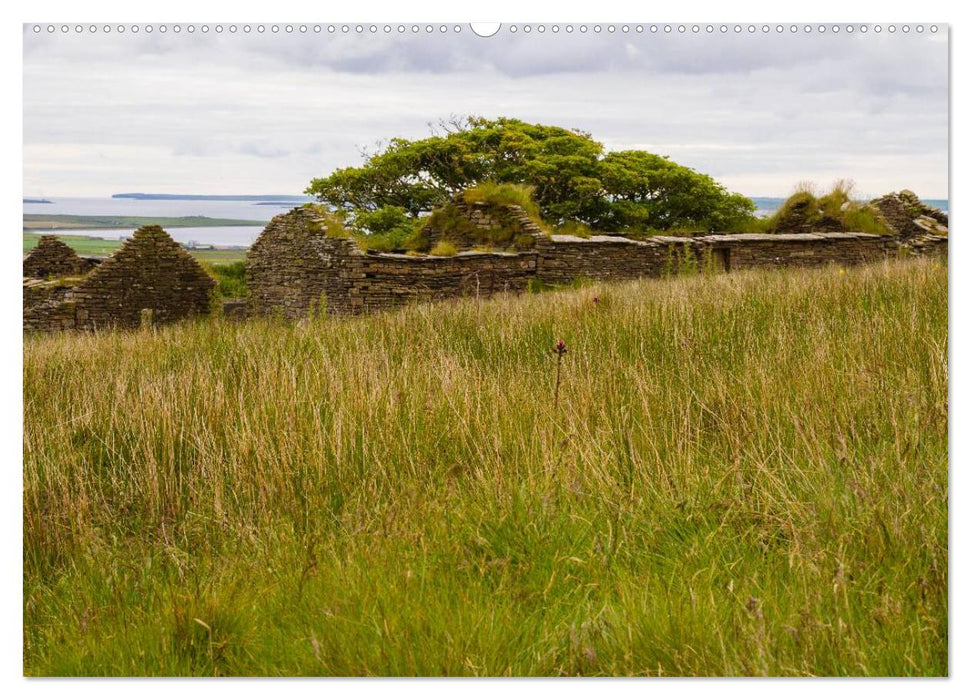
(560, 350)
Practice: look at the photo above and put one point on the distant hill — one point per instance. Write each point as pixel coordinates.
(44, 222)
(216, 197)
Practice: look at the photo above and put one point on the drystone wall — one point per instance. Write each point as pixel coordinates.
(563, 259)
(295, 267)
(52, 257)
(483, 216)
(285, 269)
(149, 272)
(754, 250)
(373, 282)
(908, 217)
(38, 292)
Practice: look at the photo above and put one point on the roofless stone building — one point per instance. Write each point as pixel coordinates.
(52, 257)
(295, 267)
(149, 272)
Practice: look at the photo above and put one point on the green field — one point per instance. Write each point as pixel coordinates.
(743, 474)
(89, 246)
(46, 222)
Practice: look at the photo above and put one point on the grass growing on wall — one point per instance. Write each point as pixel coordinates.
(503, 194)
(743, 474)
(808, 208)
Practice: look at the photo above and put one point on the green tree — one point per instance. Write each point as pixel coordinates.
(571, 176)
(647, 191)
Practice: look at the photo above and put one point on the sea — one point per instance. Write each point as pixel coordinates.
(765, 206)
(225, 236)
(222, 236)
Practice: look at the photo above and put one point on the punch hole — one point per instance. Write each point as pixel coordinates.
(485, 29)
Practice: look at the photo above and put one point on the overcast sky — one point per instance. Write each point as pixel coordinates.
(249, 113)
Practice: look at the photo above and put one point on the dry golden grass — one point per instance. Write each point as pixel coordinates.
(743, 474)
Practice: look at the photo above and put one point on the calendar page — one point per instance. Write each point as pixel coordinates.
(436, 349)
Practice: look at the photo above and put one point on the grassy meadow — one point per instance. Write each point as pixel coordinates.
(742, 474)
(44, 222)
(92, 246)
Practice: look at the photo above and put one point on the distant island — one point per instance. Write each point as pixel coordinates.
(37, 201)
(216, 197)
(46, 222)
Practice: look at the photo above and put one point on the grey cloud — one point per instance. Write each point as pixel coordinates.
(280, 109)
(262, 149)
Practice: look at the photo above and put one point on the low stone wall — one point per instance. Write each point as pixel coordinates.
(566, 258)
(55, 315)
(149, 272)
(373, 282)
(37, 292)
(294, 267)
(754, 250)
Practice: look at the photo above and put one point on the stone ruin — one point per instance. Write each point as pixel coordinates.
(909, 217)
(482, 222)
(54, 258)
(295, 268)
(149, 278)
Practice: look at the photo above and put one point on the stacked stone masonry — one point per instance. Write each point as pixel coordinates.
(295, 268)
(908, 217)
(54, 258)
(149, 272)
(486, 216)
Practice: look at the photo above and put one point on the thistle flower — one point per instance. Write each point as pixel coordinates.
(560, 350)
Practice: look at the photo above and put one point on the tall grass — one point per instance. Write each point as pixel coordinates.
(230, 278)
(744, 474)
(503, 194)
(808, 208)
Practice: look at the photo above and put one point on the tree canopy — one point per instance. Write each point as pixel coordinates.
(572, 176)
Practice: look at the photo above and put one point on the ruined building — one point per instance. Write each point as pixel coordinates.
(149, 276)
(295, 267)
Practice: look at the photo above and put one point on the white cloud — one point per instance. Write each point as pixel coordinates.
(241, 113)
